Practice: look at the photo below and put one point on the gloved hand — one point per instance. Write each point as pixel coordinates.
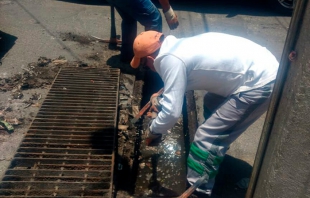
(171, 19)
(152, 139)
(155, 105)
(152, 114)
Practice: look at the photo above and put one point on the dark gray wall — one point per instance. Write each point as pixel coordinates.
(285, 170)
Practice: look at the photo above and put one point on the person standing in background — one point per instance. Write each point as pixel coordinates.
(147, 14)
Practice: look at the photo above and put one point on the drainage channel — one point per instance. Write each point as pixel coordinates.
(68, 150)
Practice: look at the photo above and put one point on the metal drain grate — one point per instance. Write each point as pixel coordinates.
(69, 149)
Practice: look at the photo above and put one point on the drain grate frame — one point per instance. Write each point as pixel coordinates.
(69, 148)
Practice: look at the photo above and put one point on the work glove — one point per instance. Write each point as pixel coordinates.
(152, 114)
(152, 139)
(171, 19)
(155, 105)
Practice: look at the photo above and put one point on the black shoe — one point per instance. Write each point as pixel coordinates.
(126, 60)
(126, 57)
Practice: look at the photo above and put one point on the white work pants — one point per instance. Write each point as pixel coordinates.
(225, 124)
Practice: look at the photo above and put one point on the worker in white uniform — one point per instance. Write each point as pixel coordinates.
(232, 67)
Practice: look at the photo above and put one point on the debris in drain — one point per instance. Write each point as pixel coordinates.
(135, 110)
(36, 96)
(33, 100)
(17, 95)
(81, 39)
(36, 75)
(123, 119)
(36, 105)
(178, 153)
(122, 127)
(162, 163)
(43, 61)
(13, 121)
(81, 64)
(142, 165)
(59, 62)
(117, 41)
(127, 136)
(7, 126)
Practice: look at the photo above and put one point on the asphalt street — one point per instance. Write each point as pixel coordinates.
(34, 28)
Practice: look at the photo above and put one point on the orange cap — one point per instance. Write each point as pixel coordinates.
(146, 43)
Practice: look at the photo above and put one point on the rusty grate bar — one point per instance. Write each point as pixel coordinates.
(69, 149)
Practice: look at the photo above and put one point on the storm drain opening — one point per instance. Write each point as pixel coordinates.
(68, 150)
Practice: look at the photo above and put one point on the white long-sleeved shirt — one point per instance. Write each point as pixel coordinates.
(218, 63)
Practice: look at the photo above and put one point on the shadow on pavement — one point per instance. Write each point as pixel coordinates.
(228, 7)
(7, 41)
(114, 62)
(232, 179)
(87, 2)
(231, 8)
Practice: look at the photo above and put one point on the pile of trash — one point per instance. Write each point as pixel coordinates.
(17, 90)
